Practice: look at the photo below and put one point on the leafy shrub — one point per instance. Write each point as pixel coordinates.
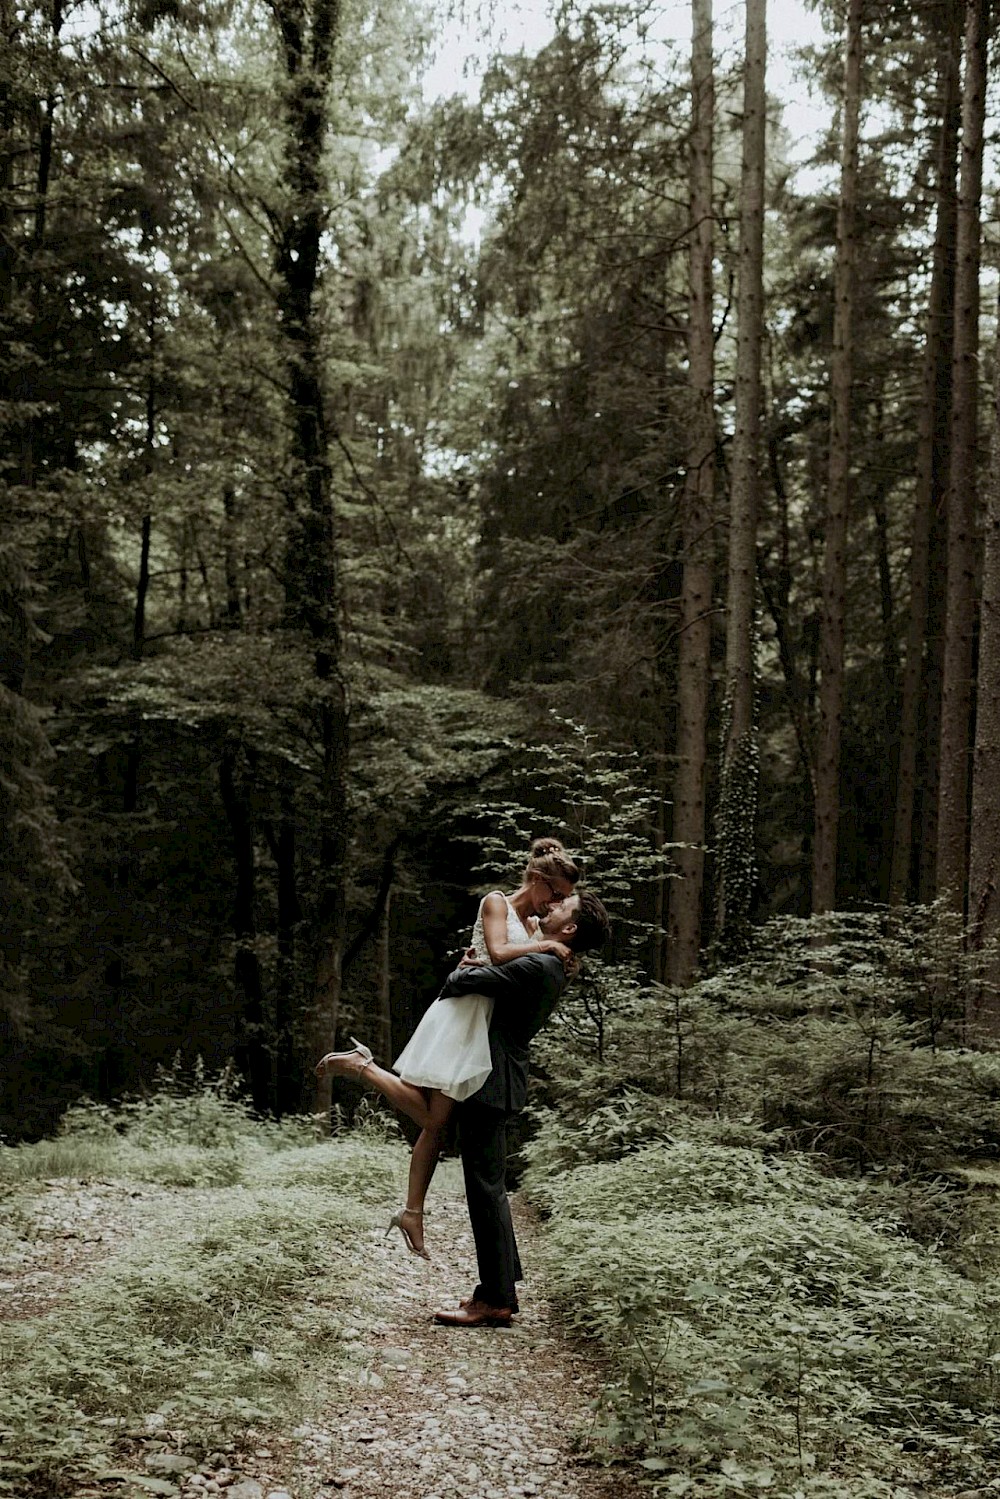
(192, 1131)
(754, 1313)
(183, 1109)
(821, 1047)
(775, 1324)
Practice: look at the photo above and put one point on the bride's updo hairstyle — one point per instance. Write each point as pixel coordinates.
(550, 860)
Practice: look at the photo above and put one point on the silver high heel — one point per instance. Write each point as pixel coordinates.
(361, 1050)
(358, 1049)
(396, 1221)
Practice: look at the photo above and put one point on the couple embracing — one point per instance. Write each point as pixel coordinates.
(470, 1054)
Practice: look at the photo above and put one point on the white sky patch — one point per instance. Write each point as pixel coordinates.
(464, 46)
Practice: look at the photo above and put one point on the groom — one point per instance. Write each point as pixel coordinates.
(525, 992)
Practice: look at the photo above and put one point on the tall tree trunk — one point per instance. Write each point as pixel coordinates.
(984, 840)
(736, 822)
(46, 137)
(142, 584)
(253, 1053)
(288, 1075)
(35, 281)
(929, 762)
(384, 1031)
(775, 581)
(233, 611)
(831, 688)
(956, 686)
(934, 417)
(684, 922)
(308, 31)
(8, 23)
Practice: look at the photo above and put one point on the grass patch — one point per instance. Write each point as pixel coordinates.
(228, 1309)
(771, 1328)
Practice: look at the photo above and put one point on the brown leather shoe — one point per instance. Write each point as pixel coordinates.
(475, 1314)
(469, 1300)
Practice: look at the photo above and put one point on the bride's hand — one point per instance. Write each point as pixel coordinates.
(569, 959)
(556, 948)
(469, 959)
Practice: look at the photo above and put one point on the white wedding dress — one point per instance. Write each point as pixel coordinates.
(450, 1048)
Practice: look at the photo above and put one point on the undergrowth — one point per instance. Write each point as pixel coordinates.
(771, 1200)
(227, 1309)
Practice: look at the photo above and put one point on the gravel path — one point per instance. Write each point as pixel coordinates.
(74, 1226)
(448, 1413)
(419, 1411)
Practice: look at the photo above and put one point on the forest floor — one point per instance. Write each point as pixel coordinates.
(415, 1409)
(482, 1413)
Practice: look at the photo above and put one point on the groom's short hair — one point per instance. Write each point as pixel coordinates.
(593, 926)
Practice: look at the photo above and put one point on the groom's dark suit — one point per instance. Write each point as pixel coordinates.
(525, 991)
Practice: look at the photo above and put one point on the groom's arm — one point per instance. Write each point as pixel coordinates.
(538, 975)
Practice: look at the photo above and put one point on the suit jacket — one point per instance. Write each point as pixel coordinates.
(525, 991)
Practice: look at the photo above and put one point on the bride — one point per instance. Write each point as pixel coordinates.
(447, 1058)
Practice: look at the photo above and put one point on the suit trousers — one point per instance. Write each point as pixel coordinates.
(483, 1146)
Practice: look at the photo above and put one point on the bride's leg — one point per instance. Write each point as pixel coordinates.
(406, 1097)
(423, 1163)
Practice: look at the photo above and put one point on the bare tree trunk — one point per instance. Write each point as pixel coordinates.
(141, 591)
(776, 587)
(831, 689)
(182, 582)
(384, 1032)
(934, 405)
(956, 687)
(308, 31)
(233, 611)
(34, 281)
(984, 841)
(736, 822)
(685, 902)
(7, 156)
(203, 569)
(253, 1050)
(929, 763)
(142, 584)
(658, 957)
(289, 1070)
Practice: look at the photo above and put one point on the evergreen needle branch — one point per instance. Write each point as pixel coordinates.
(172, 85)
(375, 499)
(247, 258)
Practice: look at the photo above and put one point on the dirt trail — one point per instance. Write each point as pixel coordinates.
(73, 1227)
(449, 1413)
(418, 1411)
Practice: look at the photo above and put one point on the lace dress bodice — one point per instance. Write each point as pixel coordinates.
(516, 931)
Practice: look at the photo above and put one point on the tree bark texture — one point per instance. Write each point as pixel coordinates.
(288, 1074)
(308, 32)
(253, 1052)
(984, 841)
(932, 443)
(384, 1033)
(7, 155)
(685, 900)
(929, 753)
(831, 688)
(956, 686)
(230, 560)
(736, 821)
